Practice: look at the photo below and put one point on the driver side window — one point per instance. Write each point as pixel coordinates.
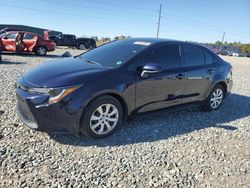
(11, 36)
(167, 56)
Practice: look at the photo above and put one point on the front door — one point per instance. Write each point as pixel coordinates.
(160, 90)
(9, 42)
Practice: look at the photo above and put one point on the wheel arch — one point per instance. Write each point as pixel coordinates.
(116, 95)
(37, 46)
(219, 82)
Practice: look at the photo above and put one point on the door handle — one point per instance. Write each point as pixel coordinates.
(210, 71)
(180, 76)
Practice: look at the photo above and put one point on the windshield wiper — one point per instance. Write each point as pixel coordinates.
(92, 62)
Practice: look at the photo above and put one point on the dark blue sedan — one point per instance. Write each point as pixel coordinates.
(94, 92)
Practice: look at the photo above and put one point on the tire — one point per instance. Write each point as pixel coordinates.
(91, 47)
(82, 46)
(215, 98)
(41, 50)
(95, 124)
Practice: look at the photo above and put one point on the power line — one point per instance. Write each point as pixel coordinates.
(66, 13)
(202, 24)
(189, 30)
(80, 6)
(119, 5)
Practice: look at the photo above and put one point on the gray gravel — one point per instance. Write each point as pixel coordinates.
(178, 148)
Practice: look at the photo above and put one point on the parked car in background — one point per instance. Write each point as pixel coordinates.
(21, 41)
(235, 54)
(71, 40)
(225, 52)
(216, 51)
(0, 54)
(97, 90)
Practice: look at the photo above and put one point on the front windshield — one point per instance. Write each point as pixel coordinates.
(115, 53)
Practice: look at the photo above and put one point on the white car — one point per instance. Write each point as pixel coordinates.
(235, 54)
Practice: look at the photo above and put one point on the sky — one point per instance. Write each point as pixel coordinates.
(189, 20)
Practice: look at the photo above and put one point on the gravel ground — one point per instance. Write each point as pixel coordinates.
(181, 148)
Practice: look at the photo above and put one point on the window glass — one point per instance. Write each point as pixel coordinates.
(69, 36)
(208, 57)
(10, 36)
(114, 53)
(193, 56)
(28, 36)
(167, 56)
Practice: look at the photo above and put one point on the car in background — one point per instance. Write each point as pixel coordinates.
(72, 41)
(244, 54)
(21, 41)
(227, 53)
(0, 54)
(216, 51)
(235, 54)
(94, 92)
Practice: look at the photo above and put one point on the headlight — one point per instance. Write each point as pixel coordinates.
(56, 94)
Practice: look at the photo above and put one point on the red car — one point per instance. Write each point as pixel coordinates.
(21, 41)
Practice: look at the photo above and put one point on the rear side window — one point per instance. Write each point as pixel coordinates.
(69, 37)
(28, 36)
(209, 59)
(193, 56)
(167, 56)
(10, 36)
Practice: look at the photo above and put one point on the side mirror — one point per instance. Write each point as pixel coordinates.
(150, 68)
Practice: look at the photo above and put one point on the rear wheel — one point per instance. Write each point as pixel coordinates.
(102, 117)
(82, 47)
(215, 98)
(41, 50)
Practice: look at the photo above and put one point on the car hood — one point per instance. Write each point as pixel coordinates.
(63, 72)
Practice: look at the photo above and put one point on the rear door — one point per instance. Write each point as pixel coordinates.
(69, 40)
(199, 71)
(9, 42)
(29, 41)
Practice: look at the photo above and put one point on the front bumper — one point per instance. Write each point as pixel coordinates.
(57, 117)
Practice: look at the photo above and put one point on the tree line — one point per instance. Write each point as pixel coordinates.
(244, 48)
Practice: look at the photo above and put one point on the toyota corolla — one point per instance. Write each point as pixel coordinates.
(93, 93)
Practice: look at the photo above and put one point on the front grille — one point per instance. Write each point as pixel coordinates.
(25, 113)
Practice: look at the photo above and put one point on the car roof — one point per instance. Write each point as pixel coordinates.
(162, 40)
(9, 32)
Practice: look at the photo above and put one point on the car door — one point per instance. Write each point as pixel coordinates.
(163, 89)
(9, 42)
(29, 41)
(68, 40)
(60, 40)
(199, 75)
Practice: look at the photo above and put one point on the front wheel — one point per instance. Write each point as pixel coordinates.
(102, 117)
(215, 98)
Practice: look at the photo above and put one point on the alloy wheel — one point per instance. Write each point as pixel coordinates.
(41, 51)
(104, 119)
(216, 98)
(82, 47)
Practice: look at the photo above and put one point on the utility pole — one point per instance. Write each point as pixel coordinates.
(159, 22)
(222, 40)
